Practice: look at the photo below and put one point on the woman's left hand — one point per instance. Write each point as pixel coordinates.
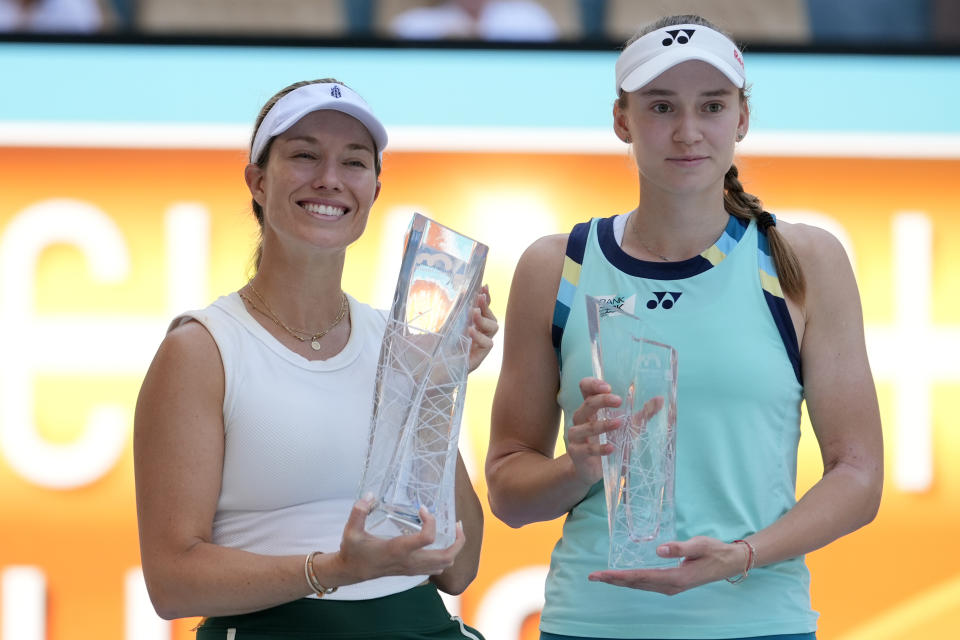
(703, 560)
(482, 329)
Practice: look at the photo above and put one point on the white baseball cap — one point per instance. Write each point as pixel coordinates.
(659, 50)
(318, 96)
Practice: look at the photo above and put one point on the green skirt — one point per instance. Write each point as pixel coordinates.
(415, 614)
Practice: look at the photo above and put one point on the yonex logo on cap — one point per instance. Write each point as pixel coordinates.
(654, 53)
(680, 36)
(335, 91)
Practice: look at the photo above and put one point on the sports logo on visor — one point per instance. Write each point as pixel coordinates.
(680, 36)
(335, 91)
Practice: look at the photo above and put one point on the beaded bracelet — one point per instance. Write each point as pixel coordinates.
(318, 588)
(751, 560)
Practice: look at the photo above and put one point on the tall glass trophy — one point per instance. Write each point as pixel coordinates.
(638, 476)
(421, 381)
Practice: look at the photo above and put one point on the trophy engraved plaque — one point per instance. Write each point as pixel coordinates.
(421, 381)
(638, 476)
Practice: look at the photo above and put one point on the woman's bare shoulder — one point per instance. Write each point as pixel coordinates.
(815, 247)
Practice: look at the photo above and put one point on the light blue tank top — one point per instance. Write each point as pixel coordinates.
(738, 427)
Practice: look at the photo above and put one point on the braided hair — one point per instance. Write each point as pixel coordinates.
(744, 205)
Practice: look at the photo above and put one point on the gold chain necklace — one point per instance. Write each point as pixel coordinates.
(656, 253)
(314, 338)
(665, 258)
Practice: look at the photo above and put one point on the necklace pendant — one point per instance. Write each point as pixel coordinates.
(315, 345)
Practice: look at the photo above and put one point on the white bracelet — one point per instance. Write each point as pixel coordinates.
(318, 588)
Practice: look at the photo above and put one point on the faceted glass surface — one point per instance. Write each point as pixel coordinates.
(638, 476)
(421, 382)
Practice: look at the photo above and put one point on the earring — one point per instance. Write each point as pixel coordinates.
(739, 137)
(628, 140)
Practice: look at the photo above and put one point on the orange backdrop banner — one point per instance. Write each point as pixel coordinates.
(100, 248)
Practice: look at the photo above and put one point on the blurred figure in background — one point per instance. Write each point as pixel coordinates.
(945, 15)
(871, 22)
(51, 16)
(510, 20)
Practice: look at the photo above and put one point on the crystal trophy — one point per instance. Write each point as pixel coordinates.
(638, 476)
(421, 381)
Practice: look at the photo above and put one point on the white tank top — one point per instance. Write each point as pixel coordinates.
(296, 434)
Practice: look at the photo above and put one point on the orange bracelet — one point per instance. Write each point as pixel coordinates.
(751, 560)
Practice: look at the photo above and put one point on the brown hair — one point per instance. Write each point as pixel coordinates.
(262, 161)
(736, 201)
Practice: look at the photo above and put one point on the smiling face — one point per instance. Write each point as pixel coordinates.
(318, 183)
(683, 126)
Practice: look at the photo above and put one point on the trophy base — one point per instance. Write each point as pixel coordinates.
(390, 521)
(404, 518)
(635, 557)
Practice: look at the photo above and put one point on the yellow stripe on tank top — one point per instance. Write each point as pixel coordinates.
(714, 255)
(770, 284)
(571, 271)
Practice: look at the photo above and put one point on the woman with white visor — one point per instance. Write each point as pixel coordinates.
(763, 315)
(252, 423)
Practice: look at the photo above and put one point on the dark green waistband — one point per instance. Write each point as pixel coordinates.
(419, 609)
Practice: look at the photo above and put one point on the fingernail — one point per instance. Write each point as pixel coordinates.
(663, 550)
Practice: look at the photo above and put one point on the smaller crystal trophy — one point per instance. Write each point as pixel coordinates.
(421, 383)
(638, 476)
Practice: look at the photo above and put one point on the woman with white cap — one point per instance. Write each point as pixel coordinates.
(763, 315)
(252, 423)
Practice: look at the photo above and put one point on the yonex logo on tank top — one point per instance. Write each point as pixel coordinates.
(664, 299)
(680, 36)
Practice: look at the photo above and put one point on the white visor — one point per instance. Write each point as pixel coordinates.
(318, 96)
(665, 48)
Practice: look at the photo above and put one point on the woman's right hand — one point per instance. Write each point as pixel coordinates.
(363, 556)
(583, 443)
